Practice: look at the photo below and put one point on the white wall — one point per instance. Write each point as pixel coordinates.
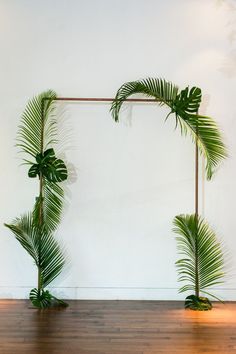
(130, 179)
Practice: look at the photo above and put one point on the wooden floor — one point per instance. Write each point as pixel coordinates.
(116, 327)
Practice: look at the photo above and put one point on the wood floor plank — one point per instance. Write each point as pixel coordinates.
(117, 327)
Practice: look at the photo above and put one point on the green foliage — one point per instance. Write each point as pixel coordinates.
(34, 231)
(187, 101)
(198, 303)
(44, 299)
(39, 242)
(202, 264)
(36, 134)
(184, 105)
(40, 298)
(51, 168)
(51, 206)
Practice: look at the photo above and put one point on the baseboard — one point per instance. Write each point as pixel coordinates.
(112, 293)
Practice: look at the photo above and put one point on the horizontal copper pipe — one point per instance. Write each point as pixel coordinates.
(95, 99)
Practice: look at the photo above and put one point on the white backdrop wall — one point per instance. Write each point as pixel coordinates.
(130, 179)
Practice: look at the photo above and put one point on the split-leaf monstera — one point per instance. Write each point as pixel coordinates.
(53, 169)
(34, 231)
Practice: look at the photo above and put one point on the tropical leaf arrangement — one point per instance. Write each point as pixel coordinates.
(34, 231)
(183, 105)
(203, 264)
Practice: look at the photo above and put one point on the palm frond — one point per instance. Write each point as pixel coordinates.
(52, 206)
(202, 264)
(36, 135)
(205, 132)
(40, 244)
(163, 91)
(27, 235)
(52, 259)
(32, 126)
(184, 105)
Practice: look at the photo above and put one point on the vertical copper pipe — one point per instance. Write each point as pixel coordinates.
(196, 172)
(40, 201)
(196, 213)
(196, 178)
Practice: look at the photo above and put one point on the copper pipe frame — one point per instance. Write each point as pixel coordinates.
(138, 100)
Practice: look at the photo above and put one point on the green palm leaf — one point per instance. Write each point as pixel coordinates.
(37, 133)
(52, 205)
(184, 105)
(45, 250)
(26, 235)
(202, 264)
(33, 130)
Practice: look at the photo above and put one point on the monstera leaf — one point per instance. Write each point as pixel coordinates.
(43, 299)
(53, 169)
(187, 102)
(198, 303)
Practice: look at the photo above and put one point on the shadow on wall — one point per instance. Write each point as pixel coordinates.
(67, 143)
(228, 67)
